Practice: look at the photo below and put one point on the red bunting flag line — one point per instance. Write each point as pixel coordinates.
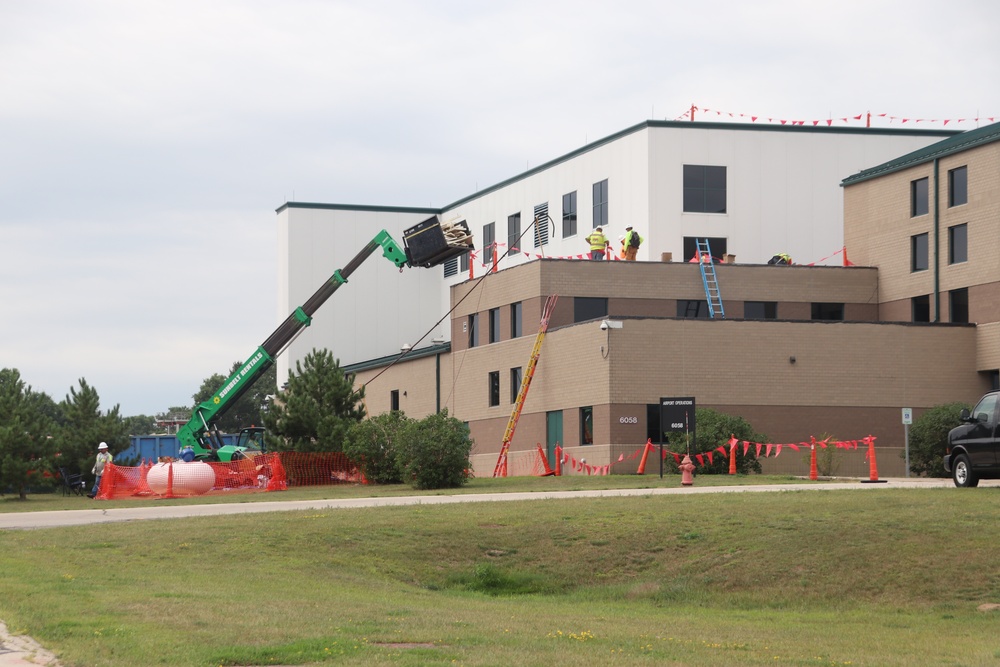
(866, 117)
(708, 457)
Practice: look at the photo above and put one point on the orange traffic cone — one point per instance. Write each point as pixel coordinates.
(813, 468)
(545, 462)
(558, 460)
(872, 466)
(645, 455)
(732, 454)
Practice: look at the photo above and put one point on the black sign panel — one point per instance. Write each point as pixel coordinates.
(677, 414)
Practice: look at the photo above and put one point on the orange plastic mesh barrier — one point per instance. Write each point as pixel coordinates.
(266, 472)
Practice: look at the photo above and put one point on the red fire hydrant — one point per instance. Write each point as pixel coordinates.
(686, 468)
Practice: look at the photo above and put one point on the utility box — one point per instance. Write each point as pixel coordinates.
(728, 259)
(667, 257)
(432, 242)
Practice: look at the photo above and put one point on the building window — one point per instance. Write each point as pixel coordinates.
(494, 325)
(515, 384)
(489, 242)
(704, 189)
(601, 204)
(958, 186)
(918, 252)
(569, 214)
(394, 400)
(515, 320)
(692, 308)
(494, 388)
(541, 224)
(474, 330)
(760, 310)
(958, 305)
(587, 425)
(958, 244)
(464, 260)
(513, 234)
(589, 308)
(450, 267)
(718, 245)
(920, 307)
(828, 311)
(918, 197)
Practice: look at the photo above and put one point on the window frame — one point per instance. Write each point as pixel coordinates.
(586, 417)
(493, 389)
(920, 308)
(489, 242)
(473, 325)
(513, 233)
(701, 189)
(516, 319)
(569, 214)
(919, 252)
(956, 244)
(600, 203)
(769, 308)
(516, 378)
(494, 335)
(963, 308)
(919, 197)
(958, 186)
(827, 311)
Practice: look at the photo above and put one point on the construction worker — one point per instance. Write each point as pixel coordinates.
(632, 243)
(781, 259)
(598, 243)
(621, 239)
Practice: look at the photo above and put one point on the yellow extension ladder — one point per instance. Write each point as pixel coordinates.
(501, 468)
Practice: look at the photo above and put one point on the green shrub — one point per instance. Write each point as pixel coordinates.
(713, 428)
(828, 459)
(929, 436)
(375, 443)
(434, 452)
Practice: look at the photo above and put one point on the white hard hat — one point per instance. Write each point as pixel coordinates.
(103, 445)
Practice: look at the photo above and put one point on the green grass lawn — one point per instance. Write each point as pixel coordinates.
(791, 578)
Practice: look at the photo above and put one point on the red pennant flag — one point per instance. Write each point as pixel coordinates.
(677, 457)
(709, 455)
(768, 453)
(793, 446)
(621, 457)
(732, 440)
(746, 446)
(721, 450)
(701, 461)
(758, 449)
(778, 450)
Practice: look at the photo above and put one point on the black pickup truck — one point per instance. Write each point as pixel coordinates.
(973, 451)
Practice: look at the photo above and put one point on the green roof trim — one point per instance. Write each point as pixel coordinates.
(955, 144)
(358, 207)
(429, 351)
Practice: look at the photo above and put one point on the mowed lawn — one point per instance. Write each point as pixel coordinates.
(892, 577)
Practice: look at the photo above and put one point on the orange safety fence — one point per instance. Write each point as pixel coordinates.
(261, 473)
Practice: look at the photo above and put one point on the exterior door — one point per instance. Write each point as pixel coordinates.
(553, 435)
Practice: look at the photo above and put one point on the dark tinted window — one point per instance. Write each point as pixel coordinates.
(918, 252)
(958, 244)
(828, 311)
(589, 308)
(921, 308)
(760, 310)
(704, 189)
(958, 186)
(918, 197)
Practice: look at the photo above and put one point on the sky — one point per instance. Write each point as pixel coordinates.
(145, 145)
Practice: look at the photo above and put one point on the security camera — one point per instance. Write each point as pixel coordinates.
(604, 325)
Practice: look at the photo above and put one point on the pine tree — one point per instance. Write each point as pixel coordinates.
(26, 447)
(85, 426)
(317, 409)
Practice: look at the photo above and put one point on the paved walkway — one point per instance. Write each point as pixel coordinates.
(21, 651)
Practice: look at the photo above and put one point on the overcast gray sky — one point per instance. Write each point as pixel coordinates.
(145, 145)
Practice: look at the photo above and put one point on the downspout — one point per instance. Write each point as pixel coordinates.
(937, 248)
(437, 378)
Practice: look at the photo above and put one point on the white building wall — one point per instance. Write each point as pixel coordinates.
(378, 309)
(783, 195)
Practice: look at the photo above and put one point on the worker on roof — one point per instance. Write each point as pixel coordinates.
(632, 243)
(781, 259)
(598, 243)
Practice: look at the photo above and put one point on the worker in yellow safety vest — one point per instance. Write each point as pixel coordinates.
(781, 259)
(598, 243)
(632, 243)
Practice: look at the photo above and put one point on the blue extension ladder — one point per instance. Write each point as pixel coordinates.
(709, 279)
